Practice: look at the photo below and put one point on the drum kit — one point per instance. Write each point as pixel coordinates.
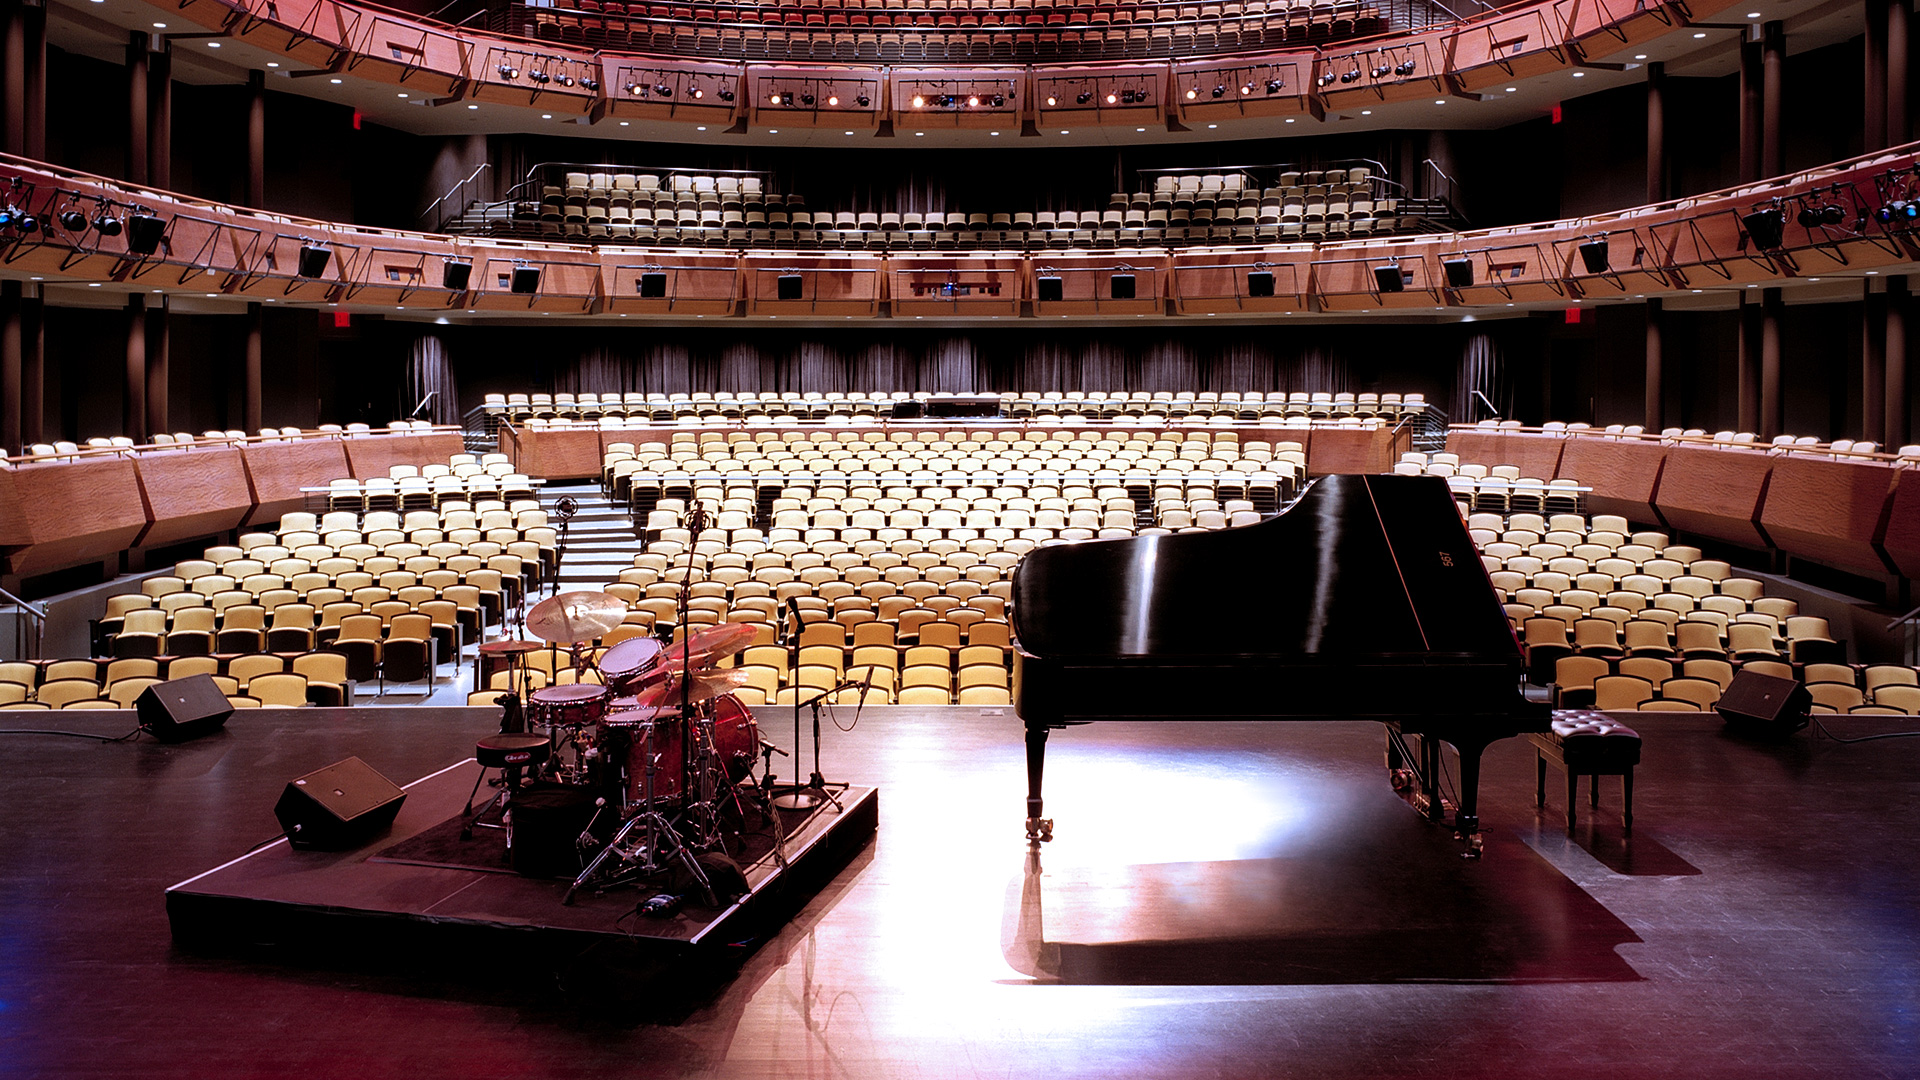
(660, 740)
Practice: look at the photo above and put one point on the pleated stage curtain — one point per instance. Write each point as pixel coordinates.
(430, 371)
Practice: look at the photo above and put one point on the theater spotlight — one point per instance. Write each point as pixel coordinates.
(1352, 75)
(1832, 214)
(973, 101)
(1808, 216)
(1192, 92)
(313, 258)
(1594, 254)
(1112, 98)
(1274, 86)
(725, 94)
(1127, 97)
(25, 222)
(73, 220)
(862, 100)
(1052, 101)
(662, 90)
(833, 100)
(919, 101)
(1219, 90)
(508, 71)
(1246, 88)
(1767, 226)
(1380, 70)
(106, 224)
(525, 280)
(540, 77)
(144, 232)
(1390, 278)
(1083, 97)
(566, 80)
(592, 86)
(696, 93)
(7, 214)
(999, 100)
(454, 274)
(633, 88)
(1404, 68)
(774, 98)
(806, 99)
(1459, 272)
(1325, 79)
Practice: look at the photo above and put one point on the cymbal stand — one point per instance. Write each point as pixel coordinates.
(642, 856)
(699, 757)
(764, 802)
(797, 796)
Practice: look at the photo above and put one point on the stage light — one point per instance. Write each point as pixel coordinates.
(455, 273)
(1245, 89)
(726, 94)
(26, 223)
(1352, 75)
(1324, 80)
(973, 101)
(773, 98)
(1219, 90)
(633, 88)
(508, 71)
(1459, 272)
(1083, 97)
(106, 224)
(788, 287)
(1887, 213)
(806, 99)
(539, 77)
(525, 280)
(1192, 92)
(144, 232)
(1594, 254)
(833, 100)
(1404, 68)
(7, 214)
(999, 100)
(662, 90)
(1052, 101)
(862, 100)
(1127, 97)
(1766, 226)
(652, 285)
(73, 221)
(1112, 98)
(1120, 286)
(591, 85)
(1049, 288)
(1380, 70)
(696, 93)
(919, 101)
(1390, 278)
(1259, 283)
(566, 80)
(1274, 86)
(313, 259)
(1808, 216)
(1832, 214)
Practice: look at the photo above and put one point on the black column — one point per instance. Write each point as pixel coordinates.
(256, 195)
(1897, 50)
(1657, 188)
(133, 402)
(1873, 363)
(1772, 406)
(160, 116)
(1748, 348)
(1656, 379)
(13, 77)
(33, 380)
(159, 354)
(1874, 67)
(256, 333)
(36, 83)
(12, 371)
(137, 107)
(1773, 62)
(1897, 430)
(1751, 98)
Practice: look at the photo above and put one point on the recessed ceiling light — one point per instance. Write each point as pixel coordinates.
(1290, 119)
(1366, 112)
(1439, 101)
(335, 82)
(1699, 35)
(470, 106)
(1211, 126)
(994, 133)
(919, 134)
(1513, 89)
(273, 63)
(213, 44)
(773, 131)
(159, 26)
(546, 116)
(402, 94)
(1639, 56)
(849, 133)
(1064, 131)
(93, 284)
(1753, 14)
(1139, 129)
(623, 123)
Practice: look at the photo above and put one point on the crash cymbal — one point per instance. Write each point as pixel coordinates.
(708, 647)
(509, 646)
(575, 616)
(704, 686)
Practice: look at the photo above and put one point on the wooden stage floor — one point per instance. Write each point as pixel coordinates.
(1223, 899)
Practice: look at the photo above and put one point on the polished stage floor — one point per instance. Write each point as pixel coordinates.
(1223, 900)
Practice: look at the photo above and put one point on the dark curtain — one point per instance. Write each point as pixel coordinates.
(951, 364)
(1481, 368)
(1168, 365)
(430, 371)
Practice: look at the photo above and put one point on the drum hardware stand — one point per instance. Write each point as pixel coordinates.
(641, 856)
(798, 796)
(816, 790)
(764, 803)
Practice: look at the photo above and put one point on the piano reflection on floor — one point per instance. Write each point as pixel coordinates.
(1364, 600)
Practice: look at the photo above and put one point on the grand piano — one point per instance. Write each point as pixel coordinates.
(1364, 600)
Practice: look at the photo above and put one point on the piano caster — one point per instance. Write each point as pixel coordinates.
(1039, 830)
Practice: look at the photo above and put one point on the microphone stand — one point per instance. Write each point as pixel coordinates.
(799, 796)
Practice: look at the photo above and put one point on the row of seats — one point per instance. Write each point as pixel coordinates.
(317, 678)
(1796, 445)
(1251, 405)
(64, 450)
(1497, 489)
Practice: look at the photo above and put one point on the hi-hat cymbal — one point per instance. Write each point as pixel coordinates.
(575, 616)
(708, 647)
(702, 686)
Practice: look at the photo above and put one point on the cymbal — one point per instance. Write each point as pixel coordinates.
(575, 616)
(509, 646)
(708, 647)
(703, 686)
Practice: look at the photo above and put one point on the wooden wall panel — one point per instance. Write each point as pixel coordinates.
(1624, 475)
(76, 513)
(1350, 450)
(1715, 493)
(1829, 512)
(1537, 455)
(373, 455)
(1900, 542)
(278, 470)
(563, 454)
(193, 493)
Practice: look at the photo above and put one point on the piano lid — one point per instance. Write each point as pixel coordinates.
(1358, 566)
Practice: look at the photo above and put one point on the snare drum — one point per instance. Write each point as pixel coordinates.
(623, 664)
(572, 705)
(736, 739)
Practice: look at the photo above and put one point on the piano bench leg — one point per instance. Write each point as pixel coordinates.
(1573, 795)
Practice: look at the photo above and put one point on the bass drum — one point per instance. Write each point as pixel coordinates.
(736, 741)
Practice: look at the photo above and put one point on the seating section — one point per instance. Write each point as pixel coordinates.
(1279, 203)
(121, 445)
(958, 30)
(1622, 619)
(426, 487)
(1071, 407)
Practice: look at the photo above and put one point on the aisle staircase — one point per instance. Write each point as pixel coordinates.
(600, 541)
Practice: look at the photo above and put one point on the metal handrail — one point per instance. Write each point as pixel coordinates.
(460, 187)
(24, 611)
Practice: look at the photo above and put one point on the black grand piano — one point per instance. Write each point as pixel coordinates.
(1364, 600)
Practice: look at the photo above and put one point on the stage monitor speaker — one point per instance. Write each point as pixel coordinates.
(341, 806)
(1765, 704)
(182, 709)
(1259, 283)
(1050, 289)
(526, 280)
(653, 285)
(789, 286)
(1120, 286)
(455, 275)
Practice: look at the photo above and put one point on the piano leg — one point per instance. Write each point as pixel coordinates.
(1039, 829)
(1466, 819)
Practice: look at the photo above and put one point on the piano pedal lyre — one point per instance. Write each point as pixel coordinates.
(1039, 830)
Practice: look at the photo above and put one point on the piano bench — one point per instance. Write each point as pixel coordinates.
(1584, 742)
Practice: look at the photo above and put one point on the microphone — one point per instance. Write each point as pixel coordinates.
(793, 609)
